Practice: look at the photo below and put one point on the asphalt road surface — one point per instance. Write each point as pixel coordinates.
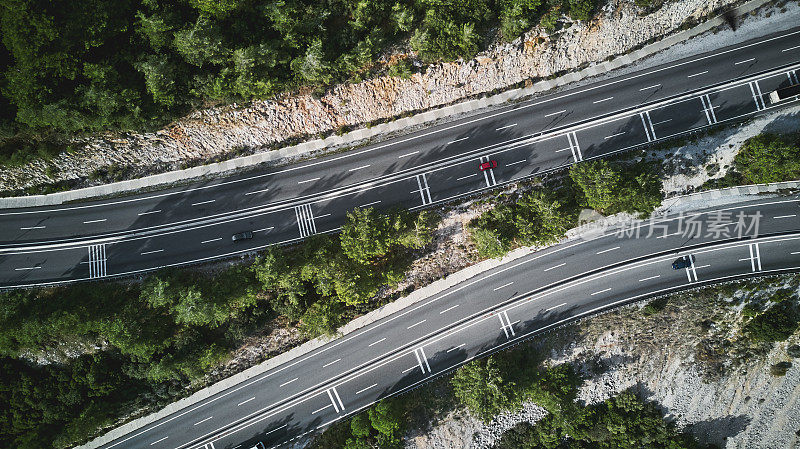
(487, 313)
(124, 236)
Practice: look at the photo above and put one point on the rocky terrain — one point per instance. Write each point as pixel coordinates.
(239, 129)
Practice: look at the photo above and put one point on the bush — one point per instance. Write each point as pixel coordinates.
(655, 306)
(581, 9)
(777, 323)
(769, 158)
(611, 187)
(780, 369)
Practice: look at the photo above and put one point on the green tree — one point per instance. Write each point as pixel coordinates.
(769, 158)
(517, 17)
(480, 386)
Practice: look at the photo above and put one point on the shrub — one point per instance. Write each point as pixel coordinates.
(769, 158)
(780, 369)
(777, 323)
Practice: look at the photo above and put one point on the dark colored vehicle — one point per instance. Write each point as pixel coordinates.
(246, 235)
(779, 95)
(487, 165)
(683, 262)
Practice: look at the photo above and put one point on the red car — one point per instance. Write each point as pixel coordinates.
(487, 165)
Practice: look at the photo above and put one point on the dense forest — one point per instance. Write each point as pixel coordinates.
(127, 64)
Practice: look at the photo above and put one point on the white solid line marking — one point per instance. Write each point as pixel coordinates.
(203, 202)
(308, 180)
(786, 216)
(376, 342)
(601, 291)
(503, 286)
(151, 212)
(555, 113)
(555, 307)
(518, 162)
(465, 177)
(614, 135)
(790, 48)
(96, 221)
(416, 324)
(257, 191)
(504, 127)
(554, 267)
(746, 60)
(359, 168)
(448, 309)
(607, 250)
(698, 74)
(265, 229)
(365, 389)
(370, 204)
(158, 441)
(456, 347)
(407, 154)
(651, 277)
(604, 99)
(409, 369)
(32, 227)
(151, 252)
(330, 363)
(457, 140)
(202, 421)
(321, 409)
(245, 402)
(287, 382)
(649, 87)
(212, 240)
(26, 268)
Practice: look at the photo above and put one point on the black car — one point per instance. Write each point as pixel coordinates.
(246, 235)
(683, 262)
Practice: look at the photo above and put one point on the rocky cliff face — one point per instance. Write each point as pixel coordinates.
(215, 132)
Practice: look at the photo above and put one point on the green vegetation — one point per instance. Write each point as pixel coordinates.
(621, 422)
(153, 339)
(776, 323)
(132, 64)
(542, 216)
(610, 187)
(764, 158)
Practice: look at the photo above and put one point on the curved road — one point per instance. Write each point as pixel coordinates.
(484, 314)
(192, 224)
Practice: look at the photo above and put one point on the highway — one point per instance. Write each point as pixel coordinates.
(489, 312)
(192, 224)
